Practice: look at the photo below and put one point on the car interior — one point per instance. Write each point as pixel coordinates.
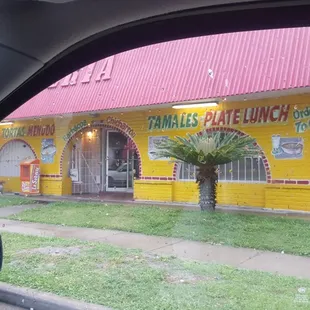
(42, 41)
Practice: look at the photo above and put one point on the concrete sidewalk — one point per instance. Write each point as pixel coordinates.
(11, 210)
(283, 264)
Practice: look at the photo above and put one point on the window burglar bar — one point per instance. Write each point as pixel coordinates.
(247, 170)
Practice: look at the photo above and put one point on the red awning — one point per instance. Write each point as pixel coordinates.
(214, 66)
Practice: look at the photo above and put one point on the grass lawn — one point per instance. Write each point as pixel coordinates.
(238, 230)
(6, 201)
(129, 279)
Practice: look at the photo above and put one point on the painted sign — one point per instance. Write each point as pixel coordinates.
(173, 121)
(30, 131)
(153, 142)
(48, 151)
(117, 123)
(301, 119)
(74, 130)
(248, 116)
(34, 179)
(287, 148)
(25, 186)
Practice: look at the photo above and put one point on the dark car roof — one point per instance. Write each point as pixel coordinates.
(41, 41)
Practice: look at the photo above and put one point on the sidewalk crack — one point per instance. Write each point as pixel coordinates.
(249, 258)
(163, 246)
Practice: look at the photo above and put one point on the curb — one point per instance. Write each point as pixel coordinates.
(185, 206)
(32, 299)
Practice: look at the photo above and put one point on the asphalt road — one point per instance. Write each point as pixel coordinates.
(9, 307)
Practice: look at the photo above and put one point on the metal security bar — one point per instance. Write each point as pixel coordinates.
(247, 170)
(86, 158)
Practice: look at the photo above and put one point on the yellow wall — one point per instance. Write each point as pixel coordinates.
(153, 190)
(281, 196)
(290, 197)
(12, 184)
(227, 193)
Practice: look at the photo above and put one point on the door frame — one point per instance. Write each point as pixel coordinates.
(107, 188)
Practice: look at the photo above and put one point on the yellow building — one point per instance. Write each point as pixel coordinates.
(113, 145)
(95, 131)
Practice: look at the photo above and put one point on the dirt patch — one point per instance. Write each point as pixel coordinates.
(40, 268)
(175, 274)
(158, 262)
(54, 251)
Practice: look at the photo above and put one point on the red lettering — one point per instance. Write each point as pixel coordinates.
(48, 130)
(208, 117)
(105, 72)
(52, 130)
(221, 119)
(30, 131)
(254, 115)
(35, 129)
(274, 110)
(43, 130)
(229, 113)
(263, 114)
(245, 119)
(214, 121)
(89, 72)
(284, 113)
(236, 118)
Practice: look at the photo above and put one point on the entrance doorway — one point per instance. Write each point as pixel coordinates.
(121, 162)
(102, 160)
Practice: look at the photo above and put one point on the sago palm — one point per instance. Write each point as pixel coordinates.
(206, 151)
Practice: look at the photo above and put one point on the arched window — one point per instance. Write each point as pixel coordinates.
(11, 155)
(246, 170)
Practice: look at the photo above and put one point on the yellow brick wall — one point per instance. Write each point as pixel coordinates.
(51, 186)
(241, 194)
(258, 195)
(288, 197)
(185, 192)
(153, 190)
(12, 184)
(237, 194)
(66, 186)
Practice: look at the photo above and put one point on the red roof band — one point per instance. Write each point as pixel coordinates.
(214, 66)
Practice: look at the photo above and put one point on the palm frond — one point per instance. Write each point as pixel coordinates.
(208, 149)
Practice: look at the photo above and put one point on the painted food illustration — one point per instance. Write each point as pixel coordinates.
(49, 150)
(292, 148)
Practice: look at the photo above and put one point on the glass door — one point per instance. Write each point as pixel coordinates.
(119, 165)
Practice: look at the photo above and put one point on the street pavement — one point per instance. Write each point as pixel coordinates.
(9, 307)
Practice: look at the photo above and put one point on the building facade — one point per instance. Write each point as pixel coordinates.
(95, 130)
(91, 154)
